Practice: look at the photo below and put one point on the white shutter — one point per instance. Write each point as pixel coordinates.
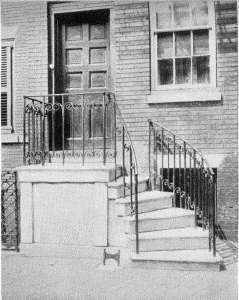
(6, 86)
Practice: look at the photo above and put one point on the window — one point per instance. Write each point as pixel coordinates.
(183, 45)
(6, 86)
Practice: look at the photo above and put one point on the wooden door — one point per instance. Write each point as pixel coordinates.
(85, 68)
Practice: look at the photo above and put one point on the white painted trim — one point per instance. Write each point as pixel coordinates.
(184, 95)
(9, 45)
(10, 138)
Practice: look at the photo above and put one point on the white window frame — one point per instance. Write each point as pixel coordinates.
(183, 92)
(8, 44)
(8, 136)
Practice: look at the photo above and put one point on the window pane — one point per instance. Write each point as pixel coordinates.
(98, 79)
(165, 45)
(97, 55)
(97, 31)
(200, 13)
(165, 71)
(74, 80)
(164, 15)
(181, 14)
(183, 43)
(183, 70)
(74, 33)
(200, 42)
(201, 69)
(73, 56)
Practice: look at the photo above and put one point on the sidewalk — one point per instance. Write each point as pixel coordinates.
(25, 277)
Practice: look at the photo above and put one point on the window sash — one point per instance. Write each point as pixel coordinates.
(175, 58)
(212, 48)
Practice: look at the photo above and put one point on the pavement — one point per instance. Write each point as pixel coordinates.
(37, 277)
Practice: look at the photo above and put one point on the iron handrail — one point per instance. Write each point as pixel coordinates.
(128, 136)
(133, 167)
(194, 186)
(199, 153)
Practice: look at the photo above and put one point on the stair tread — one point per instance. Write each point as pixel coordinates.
(197, 256)
(187, 232)
(119, 181)
(146, 196)
(162, 214)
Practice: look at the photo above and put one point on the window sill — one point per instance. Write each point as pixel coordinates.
(10, 138)
(184, 95)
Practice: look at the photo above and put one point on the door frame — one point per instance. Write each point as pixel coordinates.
(53, 32)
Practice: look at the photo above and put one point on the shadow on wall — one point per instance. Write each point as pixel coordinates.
(227, 197)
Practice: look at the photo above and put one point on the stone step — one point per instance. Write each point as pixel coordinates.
(189, 238)
(191, 260)
(170, 218)
(148, 201)
(116, 190)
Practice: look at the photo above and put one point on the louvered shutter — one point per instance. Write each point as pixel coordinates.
(6, 85)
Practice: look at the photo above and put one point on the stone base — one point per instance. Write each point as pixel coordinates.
(73, 251)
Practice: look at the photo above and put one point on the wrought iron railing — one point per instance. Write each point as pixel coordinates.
(9, 210)
(64, 126)
(82, 127)
(175, 165)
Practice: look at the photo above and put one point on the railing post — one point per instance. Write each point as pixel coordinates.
(43, 133)
(185, 174)
(194, 186)
(114, 134)
(63, 129)
(83, 130)
(136, 214)
(155, 159)
(203, 194)
(213, 216)
(149, 149)
(24, 131)
(16, 214)
(174, 166)
(123, 159)
(29, 135)
(131, 180)
(104, 130)
(162, 160)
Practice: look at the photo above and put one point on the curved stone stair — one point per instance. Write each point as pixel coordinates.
(167, 235)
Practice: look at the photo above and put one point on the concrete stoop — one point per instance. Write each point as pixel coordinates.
(168, 238)
(148, 201)
(116, 189)
(191, 260)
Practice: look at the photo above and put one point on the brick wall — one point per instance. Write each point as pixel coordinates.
(30, 64)
(227, 57)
